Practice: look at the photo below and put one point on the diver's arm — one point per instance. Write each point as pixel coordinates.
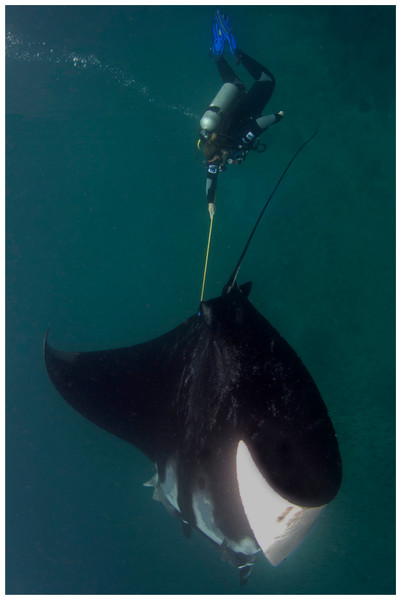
(255, 127)
(211, 185)
(267, 120)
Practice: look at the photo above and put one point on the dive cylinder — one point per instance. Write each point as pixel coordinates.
(221, 103)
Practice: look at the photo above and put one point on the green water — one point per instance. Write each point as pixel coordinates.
(106, 234)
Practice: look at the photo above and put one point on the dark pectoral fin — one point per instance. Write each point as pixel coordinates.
(125, 391)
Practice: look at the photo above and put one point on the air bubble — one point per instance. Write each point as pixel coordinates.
(20, 49)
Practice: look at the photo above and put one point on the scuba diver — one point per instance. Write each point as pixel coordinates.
(232, 124)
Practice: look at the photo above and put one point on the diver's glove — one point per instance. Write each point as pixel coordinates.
(212, 208)
(279, 115)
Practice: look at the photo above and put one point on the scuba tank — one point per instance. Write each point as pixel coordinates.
(220, 104)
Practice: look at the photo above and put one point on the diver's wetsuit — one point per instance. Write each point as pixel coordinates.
(242, 125)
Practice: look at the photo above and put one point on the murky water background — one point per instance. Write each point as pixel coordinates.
(106, 235)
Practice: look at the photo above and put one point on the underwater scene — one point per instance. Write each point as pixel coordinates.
(107, 229)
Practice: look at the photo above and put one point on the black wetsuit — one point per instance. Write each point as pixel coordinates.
(243, 124)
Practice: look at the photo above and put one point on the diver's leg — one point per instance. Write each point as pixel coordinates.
(262, 90)
(254, 68)
(227, 74)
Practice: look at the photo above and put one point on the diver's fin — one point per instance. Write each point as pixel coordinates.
(224, 23)
(218, 38)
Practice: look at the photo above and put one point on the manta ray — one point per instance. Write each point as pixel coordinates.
(241, 441)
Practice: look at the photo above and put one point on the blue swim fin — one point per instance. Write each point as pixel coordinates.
(218, 38)
(224, 23)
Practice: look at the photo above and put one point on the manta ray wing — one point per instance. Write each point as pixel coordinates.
(126, 391)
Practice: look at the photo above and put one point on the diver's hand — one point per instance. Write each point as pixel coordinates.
(212, 208)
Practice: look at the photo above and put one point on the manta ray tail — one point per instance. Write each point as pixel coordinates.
(230, 283)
